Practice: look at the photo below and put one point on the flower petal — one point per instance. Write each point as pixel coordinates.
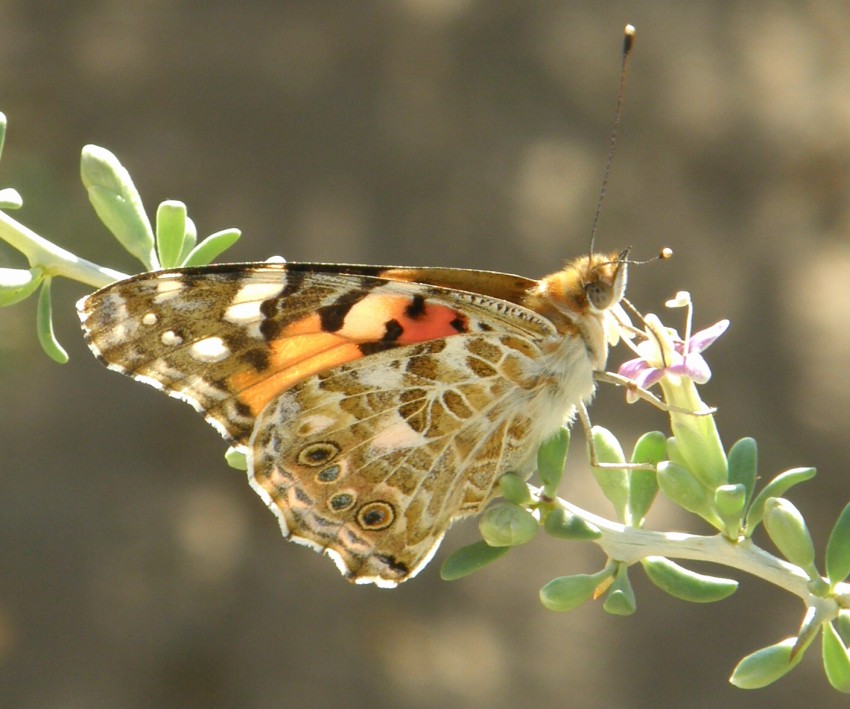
(648, 377)
(694, 367)
(704, 338)
(632, 368)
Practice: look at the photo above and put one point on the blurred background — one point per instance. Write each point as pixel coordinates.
(138, 570)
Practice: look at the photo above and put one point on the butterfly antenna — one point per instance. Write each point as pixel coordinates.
(628, 43)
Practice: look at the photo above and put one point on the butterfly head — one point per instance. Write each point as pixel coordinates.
(593, 283)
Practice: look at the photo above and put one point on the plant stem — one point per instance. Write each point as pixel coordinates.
(629, 545)
(52, 259)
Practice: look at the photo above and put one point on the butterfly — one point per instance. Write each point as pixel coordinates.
(375, 405)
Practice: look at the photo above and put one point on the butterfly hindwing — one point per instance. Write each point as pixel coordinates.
(372, 462)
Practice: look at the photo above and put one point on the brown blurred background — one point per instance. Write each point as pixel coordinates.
(138, 570)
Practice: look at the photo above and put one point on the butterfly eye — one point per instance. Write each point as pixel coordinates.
(599, 294)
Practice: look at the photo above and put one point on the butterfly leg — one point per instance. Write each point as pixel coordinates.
(591, 447)
(646, 395)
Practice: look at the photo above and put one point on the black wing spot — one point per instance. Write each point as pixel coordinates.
(258, 358)
(416, 307)
(376, 516)
(269, 328)
(399, 567)
(332, 317)
(367, 348)
(392, 330)
(459, 324)
(319, 453)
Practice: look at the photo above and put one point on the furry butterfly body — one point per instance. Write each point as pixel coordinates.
(376, 405)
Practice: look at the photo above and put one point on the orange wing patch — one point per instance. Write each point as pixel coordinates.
(341, 333)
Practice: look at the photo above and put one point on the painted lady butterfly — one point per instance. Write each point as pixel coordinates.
(375, 405)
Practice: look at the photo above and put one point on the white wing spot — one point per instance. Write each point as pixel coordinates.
(240, 313)
(149, 319)
(169, 338)
(397, 436)
(257, 292)
(210, 349)
(167, 288)
(316, 423)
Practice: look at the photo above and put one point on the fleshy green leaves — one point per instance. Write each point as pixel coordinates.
(17, 284)
(171, 232)
(119, 206)
(44, 326)
(613, 481)
(743, 466)
(561, 524)
(836, 660)
(767, 665)
(685, 584)
(505, 524)
(568, 592)
(212, 247)
(470, 559)
(787, 529)
(775, 488)
(551, 456)
(838, 549)
(630, 490)
(236, 459)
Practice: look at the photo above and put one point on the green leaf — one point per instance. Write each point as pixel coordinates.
(775, 488)
(620, 599)
(44, 326)
(838, 549)
(469, 559)
(561, 524)
(697, 438)
(568, 592)
(16, 284)
(684, 489)
(236, 459)
(685, 584)
(765, 666)
(730, 502)
(614, 482)
(211, 247)
(514, 489)
(170, 232)
(743, 465)
(650, 448)
(505, 524)
(551, 456)
(836, 662)
(10, 198)
(787, 529)
(118, 204)
(843, 626)
(3, 124)
(190, 239)
(674, 454)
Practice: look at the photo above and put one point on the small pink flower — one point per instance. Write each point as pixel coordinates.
(664, 353)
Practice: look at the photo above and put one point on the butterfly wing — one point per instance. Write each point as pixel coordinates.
(377, 405)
